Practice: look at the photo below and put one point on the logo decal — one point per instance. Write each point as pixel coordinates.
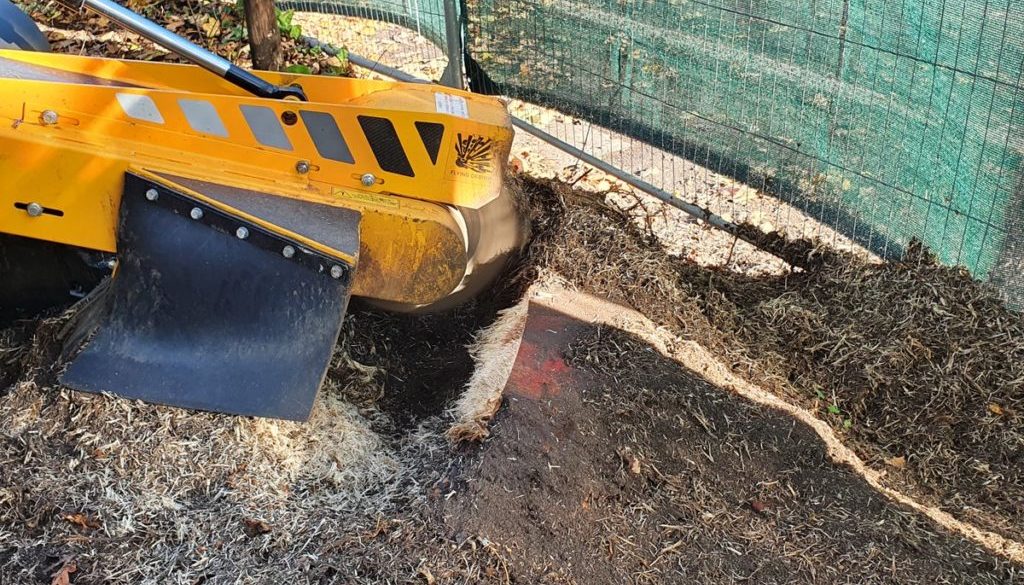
(474, 153)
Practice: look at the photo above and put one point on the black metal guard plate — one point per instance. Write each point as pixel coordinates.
(315, 221)
(197, 318)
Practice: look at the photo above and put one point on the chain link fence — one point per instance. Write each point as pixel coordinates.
(883, 121)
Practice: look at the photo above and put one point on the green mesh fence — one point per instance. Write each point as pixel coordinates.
(886, 120)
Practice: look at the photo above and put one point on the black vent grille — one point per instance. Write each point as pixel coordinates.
(431, 134)
(386, 146)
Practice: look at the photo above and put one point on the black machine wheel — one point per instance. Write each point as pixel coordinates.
(38, 275)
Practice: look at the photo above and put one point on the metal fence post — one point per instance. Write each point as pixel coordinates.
(453, 76)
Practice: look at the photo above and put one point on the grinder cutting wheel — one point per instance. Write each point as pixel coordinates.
(230, 215)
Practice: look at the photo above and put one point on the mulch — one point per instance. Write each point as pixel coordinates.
(917, 366)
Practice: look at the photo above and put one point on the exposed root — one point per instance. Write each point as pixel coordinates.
(494, 353)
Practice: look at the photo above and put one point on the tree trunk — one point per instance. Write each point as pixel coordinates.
(264, 36)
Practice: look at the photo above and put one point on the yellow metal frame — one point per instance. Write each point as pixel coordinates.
(65, 143)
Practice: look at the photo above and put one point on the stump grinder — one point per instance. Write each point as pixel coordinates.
(212, 222)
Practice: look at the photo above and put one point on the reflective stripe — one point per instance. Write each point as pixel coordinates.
(266, 127)
(203, 117)
(140, 107)
(326, 136)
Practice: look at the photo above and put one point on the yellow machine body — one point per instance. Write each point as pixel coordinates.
(412, 159)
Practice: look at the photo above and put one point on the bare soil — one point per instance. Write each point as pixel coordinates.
(637, 470)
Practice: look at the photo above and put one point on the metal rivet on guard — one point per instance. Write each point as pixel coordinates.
(288, 252)
(337, 271)
(368, 180)
(34, 209)
(242, 233)
(302, 167)
(152, 194)
(196, 213)
(49, 117)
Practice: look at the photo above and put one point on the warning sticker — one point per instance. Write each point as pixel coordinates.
(367, 198)
(454, 105)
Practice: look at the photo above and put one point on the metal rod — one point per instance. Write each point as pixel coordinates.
(374, 66)
(198, 55)
(630, 179)
(363, 62)
(159, 35)
(453, 38)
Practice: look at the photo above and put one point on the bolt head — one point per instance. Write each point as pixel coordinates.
(49, 117)
(368, 180)
(34, 210)
(152, 194)
(302, 167)
(196, 213)
(337, 271)
(288, 251)
(242, 233)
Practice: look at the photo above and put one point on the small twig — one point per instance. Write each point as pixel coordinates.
(728, 259)
(581, 177)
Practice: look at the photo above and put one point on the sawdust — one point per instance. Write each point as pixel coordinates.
(139, 493)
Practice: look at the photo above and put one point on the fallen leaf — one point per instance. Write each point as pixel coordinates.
(210, 26)
(995, 409)
(631, 460)
(82, 521)
(516, 165)
(897, 462)
(758, 506)
(63, 576)
(634, 466)
(254, 527)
